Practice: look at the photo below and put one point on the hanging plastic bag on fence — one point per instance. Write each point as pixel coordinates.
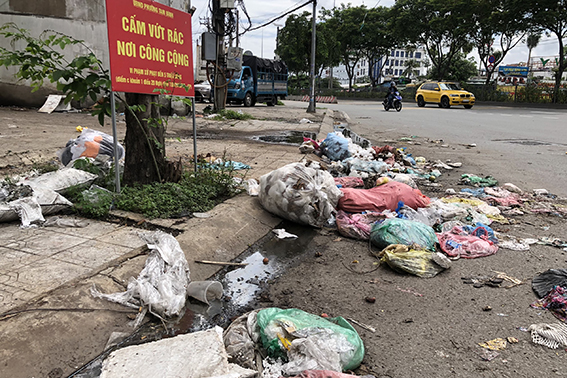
(161, 287)
(421, 263)
(460, 243)
(90, 143)
(403, 231)
(380, 198)
(357, 226)
(335, 147)
(308, 341)
(300, 194)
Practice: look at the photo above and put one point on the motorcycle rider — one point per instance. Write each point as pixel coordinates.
(392, 93)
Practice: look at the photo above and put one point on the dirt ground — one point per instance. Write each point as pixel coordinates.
(432, 327)
(424, 327)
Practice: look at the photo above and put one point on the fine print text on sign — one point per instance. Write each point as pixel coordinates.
(150, 48)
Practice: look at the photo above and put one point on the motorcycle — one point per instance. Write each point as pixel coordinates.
(396, 102)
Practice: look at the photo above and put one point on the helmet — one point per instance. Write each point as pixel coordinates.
(392, 84)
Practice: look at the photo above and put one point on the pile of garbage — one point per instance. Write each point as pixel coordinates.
(31, 196)
(371, 193)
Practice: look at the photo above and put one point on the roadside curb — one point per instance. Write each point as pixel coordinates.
(327, 126)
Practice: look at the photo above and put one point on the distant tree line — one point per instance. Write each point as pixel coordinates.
(447, 30)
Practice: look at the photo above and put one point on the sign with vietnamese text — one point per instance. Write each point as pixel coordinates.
(518, 71)
(150, 48)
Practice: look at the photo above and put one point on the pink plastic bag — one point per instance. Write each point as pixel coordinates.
(357, 226)
(380, 198)
(459, 243)
(349, 182)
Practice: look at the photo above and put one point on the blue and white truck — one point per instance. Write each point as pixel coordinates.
(259, 80)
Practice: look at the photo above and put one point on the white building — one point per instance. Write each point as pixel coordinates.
(389, 68)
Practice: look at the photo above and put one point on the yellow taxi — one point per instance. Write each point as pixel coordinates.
(444, 95)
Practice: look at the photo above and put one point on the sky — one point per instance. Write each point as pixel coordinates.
(262, 42)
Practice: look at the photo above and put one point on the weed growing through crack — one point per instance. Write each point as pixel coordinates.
(225, 114)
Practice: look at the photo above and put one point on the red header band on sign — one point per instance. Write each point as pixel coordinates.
(151, 48)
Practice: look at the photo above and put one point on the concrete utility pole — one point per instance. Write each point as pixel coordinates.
(312, 105)
(220, 79)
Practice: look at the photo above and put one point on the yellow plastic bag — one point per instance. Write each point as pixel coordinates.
(418, 262)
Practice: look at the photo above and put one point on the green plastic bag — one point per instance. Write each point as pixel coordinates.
(478, 181)
(278, 327)
(417, 262)
(403, 231)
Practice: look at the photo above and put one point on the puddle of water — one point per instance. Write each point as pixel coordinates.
(242, 286)
(288, 137)
(527, 142)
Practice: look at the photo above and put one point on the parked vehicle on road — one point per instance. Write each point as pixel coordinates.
(260, 80)
(443, 94)
(203, 92)
(396, 102)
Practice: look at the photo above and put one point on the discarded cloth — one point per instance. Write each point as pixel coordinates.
(543, 283)
(555, 301)
(403, 231)
(460, 243)
(550, 335)
(380, 198)
(357, 226)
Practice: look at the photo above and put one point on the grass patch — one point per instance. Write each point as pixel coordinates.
(197, 192)
(225, 114)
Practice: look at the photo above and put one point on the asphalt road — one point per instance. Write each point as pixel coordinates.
(526, 146)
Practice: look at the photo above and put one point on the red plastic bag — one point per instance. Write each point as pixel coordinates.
(458, 242)
(357, 226)
(380, 198)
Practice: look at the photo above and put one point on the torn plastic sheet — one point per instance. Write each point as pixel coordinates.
(161, 287)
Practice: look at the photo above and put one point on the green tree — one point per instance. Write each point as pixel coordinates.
(348, 24)
(294, 43)
(552, 16)
(532, 41)
(442, 27)
(504, 21)
(378, 41)
(42, 58)
(461, 69)
(411, 68)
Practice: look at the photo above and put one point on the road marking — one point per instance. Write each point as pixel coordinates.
(506, 115)
(551, 117)
(526, 116)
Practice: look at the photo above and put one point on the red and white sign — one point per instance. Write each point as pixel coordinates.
(150, 48)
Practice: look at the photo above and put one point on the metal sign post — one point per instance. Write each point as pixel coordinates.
(194, 133)
(115, 138)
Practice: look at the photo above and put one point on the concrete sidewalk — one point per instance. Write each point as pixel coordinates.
(51, 324)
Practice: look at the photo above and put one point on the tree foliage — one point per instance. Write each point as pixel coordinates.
(551, 16)
(294, 43)
(460, 70)
(350, 30)
(442, 27)
(42, 58)
(501, 22)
